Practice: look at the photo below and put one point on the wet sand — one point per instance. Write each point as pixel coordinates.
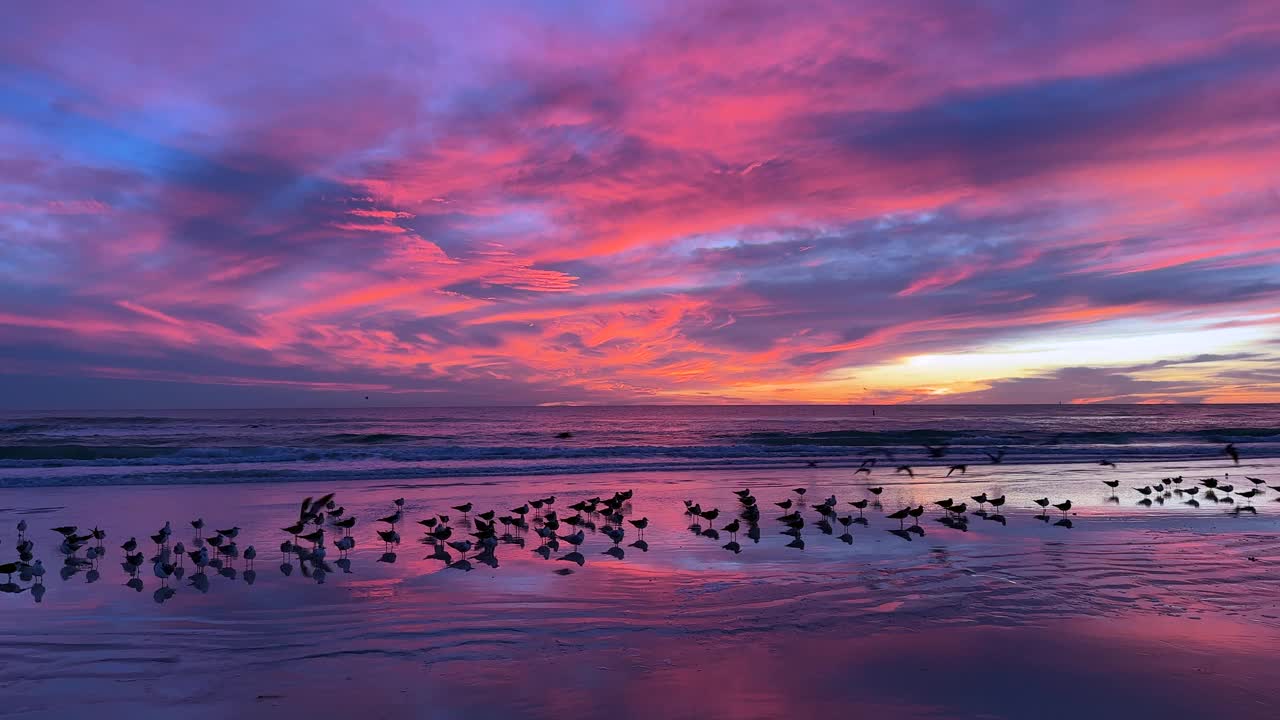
(1166, 610)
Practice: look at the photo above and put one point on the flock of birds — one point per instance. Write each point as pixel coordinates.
(476, 536)
(471, 537)
(954, 514)
(459, 542)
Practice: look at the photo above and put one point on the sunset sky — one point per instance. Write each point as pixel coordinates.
(272, 204)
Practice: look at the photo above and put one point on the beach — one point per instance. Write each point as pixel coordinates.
(1126, 609)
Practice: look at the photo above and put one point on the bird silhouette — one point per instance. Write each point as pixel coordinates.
(1232, 452)
(900, 515)
(962, 468)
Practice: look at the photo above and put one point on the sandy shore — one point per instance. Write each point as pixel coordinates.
(1168, 610)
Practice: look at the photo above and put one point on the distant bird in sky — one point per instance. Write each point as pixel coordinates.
(1232, 453)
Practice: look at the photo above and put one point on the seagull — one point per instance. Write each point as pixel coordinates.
(640, 524)
(1232, 452)
(393, 518)
(1107, 463)
(785, 504)
(1064, 506)
(464, 508)
(875, 490)
(800, 491)
(1042, 502)
(945, 504)
(732, 527)
(916, 513)
(997, 502)
(905, 469)
(936, 451)
(399, 502)
(1113, 484)
(980, 499)
(710, 515)
(996, 458)
(860, 504)
(1249, 494)
(962, 468)
(900, 515)
(1145, 490)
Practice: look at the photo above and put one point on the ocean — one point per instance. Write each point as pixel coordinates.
(245, 446)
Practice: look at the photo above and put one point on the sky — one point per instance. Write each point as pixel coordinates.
(538, 202)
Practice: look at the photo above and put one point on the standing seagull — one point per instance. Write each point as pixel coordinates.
(900, 516)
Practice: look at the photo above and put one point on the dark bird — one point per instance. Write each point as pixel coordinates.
(710, 515)
(1064, 506)
(785, 504)
(1107, 463)
(875, 490)
(463, 508)
(1254, 480)
(997, 503)
(1113, 484)
(862, 470)
(936, 451)
(1249, 494)
(905, 469)
(732, 527)
(900, 515)
(1209, 482)
(916, 512)
(860, 504)
(997, 457)
(1042, 502)
(742, 493)
(1232, 453)
(800, 491)
(962, 468)
(640, 524)
(945, 504)
(980, 499)
(564, 435)
(1145, 490)
(959, 508)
